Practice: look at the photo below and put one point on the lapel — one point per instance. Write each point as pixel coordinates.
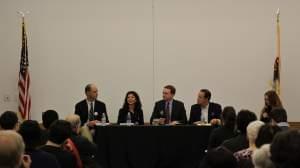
(200, 112)
(173, 108)
(86, 108)
(210, 111)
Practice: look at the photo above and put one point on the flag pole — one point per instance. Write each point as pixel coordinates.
(278, 51)
(24, 104)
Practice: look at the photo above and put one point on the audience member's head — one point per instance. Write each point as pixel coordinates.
(261, 157)
(75, 122)
(59, 131)
(11, 149)
(252, 131)
(31, 133)
(49, 117)
(9, 121)
(244, 117)
(266, 134)
(219, 157)
(278, 115)
(285, 149)
(229, 117)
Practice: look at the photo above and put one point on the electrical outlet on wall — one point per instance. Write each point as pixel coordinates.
(6, 98)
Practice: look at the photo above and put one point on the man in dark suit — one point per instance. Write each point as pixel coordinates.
(205, 111)
(169, 110)
(90, 109)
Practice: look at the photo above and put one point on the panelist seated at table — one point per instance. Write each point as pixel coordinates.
(131, 112)
(168, 111)
(205, 111)
(90, 109)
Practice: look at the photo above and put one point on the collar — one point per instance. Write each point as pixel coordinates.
(89, 102)
(283, 124)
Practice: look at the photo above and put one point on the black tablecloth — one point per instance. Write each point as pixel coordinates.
(151, 146)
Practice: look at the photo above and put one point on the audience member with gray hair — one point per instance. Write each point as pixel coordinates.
(244, 156)
(12, 151)
(261, 157)
(87, 150)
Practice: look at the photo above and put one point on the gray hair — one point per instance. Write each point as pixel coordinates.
(252, 130)
(11, 149)
(74, 120)
(261, 157)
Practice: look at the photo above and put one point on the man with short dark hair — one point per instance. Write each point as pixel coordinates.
(90, 109)
(240, 142)
(278, 116)
(9, 121)
(48, 117)
(59, 132)
(285, 149)
(205, 111)
(169, 110)
(31, 133)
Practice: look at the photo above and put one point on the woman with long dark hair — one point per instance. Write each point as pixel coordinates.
(131, 110)
(272, 100)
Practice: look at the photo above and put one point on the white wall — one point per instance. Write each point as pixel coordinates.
(226, 46)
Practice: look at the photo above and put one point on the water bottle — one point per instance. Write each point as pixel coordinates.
(128, 119)
(162, 114)
(103, 118)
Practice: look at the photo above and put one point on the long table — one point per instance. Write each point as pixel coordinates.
(151, 146)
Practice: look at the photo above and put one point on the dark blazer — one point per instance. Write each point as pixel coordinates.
(178, 111)
(136, 117)
(236, 143)
(87, 150)
(81, 109)
(214, 111)
(219, 135)
(43, 159)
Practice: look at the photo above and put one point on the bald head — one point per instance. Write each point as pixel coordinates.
(11, 149)
(91, 92)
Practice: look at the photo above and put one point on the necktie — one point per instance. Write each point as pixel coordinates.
(91, 112)
(167, 112)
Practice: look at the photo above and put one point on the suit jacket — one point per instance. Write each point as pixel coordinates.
(214, 111)
(178, 112)
(87, 150)
(219, 135)
(236, 143)
(81, 109)
(136, 117)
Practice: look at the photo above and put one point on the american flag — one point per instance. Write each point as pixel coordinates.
(24, 78)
